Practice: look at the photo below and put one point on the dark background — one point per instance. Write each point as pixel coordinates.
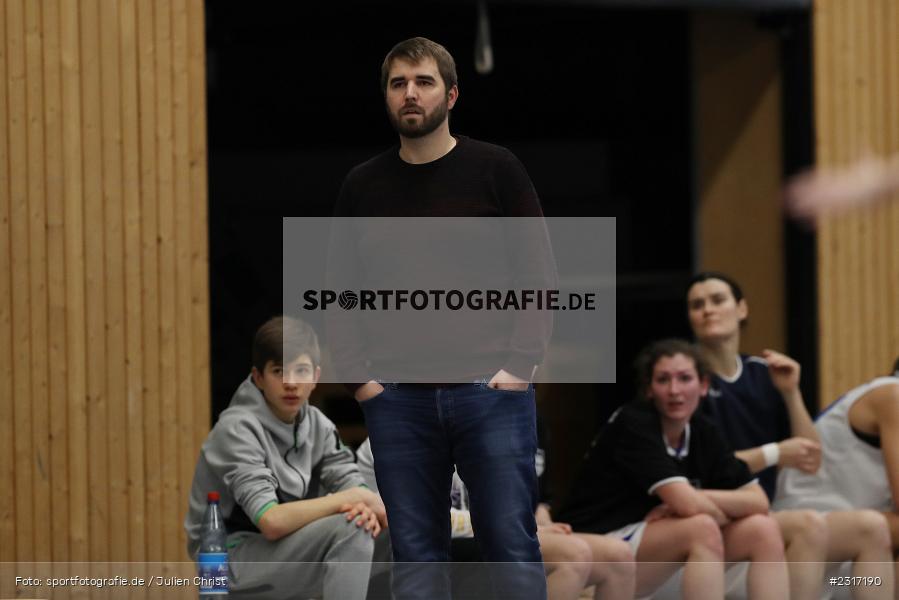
(595, 101)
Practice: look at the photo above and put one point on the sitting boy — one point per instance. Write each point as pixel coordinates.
(288, 486)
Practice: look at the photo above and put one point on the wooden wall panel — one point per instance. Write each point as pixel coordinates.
(37, 259)
(56, 279)
(133, 297)
(196, 74)
(739, 222)
(165, 206)
(97, 398)
(115, 291)
(7, 445)
(856, 58)
(76, 359)
(21, 334)
(104, 359)
(185, 445)
(149, 277)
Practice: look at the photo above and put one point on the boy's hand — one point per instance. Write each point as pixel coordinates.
(368, 391)
(365, 517)
(369, 498)
(374, 502)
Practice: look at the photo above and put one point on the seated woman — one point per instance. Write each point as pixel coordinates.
(860, 461)
(662, 478)
(756, 403)
(572, 562)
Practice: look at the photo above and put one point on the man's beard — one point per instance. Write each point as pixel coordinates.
(426, 125)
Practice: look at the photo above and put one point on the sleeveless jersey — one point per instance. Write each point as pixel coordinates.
(852, 473)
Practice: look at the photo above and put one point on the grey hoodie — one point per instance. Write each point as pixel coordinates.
(253, 459)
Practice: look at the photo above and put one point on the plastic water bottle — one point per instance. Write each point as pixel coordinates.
(213, 555)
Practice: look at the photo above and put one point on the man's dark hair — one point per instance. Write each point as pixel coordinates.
(417, 49)
(706, 275)
(284, 336)
(896, 368)
(650, 355)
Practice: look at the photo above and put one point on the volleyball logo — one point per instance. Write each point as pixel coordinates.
(347, 300)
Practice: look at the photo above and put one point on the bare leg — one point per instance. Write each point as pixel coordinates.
(613, 570)
(669, 542)
(566, 560)
(805, 539)
(756, 538)
(863, 537)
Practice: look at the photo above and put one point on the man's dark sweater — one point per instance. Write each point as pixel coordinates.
(477, 183)
(474, 179)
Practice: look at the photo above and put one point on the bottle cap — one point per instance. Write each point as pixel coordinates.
(212, 496)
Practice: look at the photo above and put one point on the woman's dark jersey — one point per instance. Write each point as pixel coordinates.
(629, 460)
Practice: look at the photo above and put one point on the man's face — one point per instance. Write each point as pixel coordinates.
(416, 97)
(286, 388)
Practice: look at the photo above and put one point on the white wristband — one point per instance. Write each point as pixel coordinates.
(772, 454)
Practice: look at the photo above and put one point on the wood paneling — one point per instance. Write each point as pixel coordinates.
(739, 222)
(7, 443)
(856, 58)
(104, 358)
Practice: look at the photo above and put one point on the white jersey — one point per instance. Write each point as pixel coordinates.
(852, 473)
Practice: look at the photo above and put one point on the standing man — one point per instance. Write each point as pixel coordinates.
(484, 420)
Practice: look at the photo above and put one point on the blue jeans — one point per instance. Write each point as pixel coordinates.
(417, 435)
